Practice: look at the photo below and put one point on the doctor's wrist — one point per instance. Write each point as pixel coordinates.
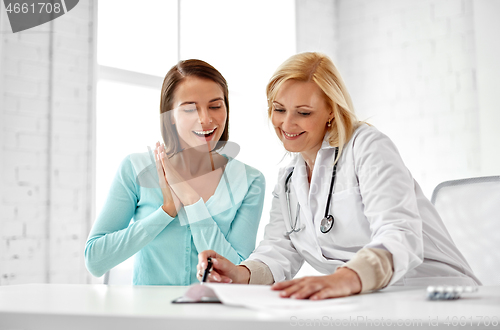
(243, 275)
(351, 278)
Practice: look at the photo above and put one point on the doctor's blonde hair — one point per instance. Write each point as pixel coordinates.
(320, 69)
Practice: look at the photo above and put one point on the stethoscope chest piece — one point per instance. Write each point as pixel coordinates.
(327, 224)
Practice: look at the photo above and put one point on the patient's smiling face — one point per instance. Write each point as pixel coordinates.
(199, 112)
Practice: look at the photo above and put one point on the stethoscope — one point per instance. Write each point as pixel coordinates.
(328, 221)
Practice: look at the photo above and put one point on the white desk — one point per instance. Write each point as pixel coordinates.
(91, 307)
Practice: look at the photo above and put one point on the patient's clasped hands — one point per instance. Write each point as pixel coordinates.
(176, 191)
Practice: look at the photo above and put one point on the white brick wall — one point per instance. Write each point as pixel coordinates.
(487, 29)
(46, 148)
(317, 28)
(411, 69)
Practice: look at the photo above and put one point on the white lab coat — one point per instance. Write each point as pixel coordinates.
(376, 204)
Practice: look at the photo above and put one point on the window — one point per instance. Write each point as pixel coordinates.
(138, 42)
(137, 45)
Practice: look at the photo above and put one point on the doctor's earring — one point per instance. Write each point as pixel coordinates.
(329, 124)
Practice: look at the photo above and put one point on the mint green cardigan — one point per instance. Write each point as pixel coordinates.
(133, 222)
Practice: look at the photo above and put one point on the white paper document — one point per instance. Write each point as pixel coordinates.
(259, 297)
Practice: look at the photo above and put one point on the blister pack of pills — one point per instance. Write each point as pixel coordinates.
(448, 292)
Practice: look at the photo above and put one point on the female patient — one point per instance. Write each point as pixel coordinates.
(205, 200)
(346, 203)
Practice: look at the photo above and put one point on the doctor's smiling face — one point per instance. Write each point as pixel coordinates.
(300, 115)
(200, 113)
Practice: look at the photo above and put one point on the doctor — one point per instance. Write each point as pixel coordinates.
(346, 203)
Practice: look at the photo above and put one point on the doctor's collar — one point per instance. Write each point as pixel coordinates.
(325, 144)
(296, 158)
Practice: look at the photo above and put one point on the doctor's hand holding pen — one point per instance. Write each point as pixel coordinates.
(344, 282)
(223, 270)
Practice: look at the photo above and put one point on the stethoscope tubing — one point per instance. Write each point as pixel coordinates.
(287, 194)
(328, 217)
(332, 183)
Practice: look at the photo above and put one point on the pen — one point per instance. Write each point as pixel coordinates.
(207, 270)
